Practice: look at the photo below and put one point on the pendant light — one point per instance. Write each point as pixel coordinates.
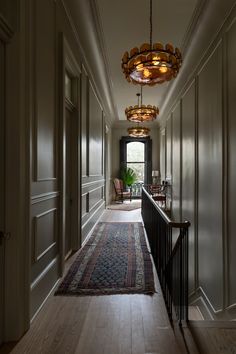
(151, 63)
(141, 112)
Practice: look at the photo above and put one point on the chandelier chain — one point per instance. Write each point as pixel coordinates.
(138, 95)
(151, 23)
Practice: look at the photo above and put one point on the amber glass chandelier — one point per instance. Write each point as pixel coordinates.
(138, 132)
(140, 112)
(152, 63)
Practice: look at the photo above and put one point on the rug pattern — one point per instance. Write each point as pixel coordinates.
(115, 260)
(126, 206)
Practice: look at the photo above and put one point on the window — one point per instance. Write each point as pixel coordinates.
(135, 159)
(137, 154)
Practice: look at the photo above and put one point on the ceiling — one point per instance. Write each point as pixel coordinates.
(124, 24)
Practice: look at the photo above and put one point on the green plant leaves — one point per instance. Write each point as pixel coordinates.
(128, 176)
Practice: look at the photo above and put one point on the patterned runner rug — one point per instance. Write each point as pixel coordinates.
(115, 260)
(126, 206)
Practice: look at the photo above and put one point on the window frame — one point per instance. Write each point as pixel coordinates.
(147, 155)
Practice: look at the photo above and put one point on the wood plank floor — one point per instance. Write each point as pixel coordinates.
(115, 324)
(214, 337)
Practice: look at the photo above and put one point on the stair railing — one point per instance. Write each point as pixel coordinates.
(171, 260)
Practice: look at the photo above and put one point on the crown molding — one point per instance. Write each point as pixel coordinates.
(85, 24)
(100, 34)
(194, 21)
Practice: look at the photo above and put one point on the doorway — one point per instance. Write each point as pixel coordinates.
(70, 162)
(68, 166)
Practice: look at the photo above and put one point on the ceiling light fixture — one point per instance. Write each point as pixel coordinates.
(151, 63)
(140, 112)
(138, 132)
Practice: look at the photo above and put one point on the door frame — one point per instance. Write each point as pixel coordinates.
(69, 64)
(6, 33)
(15, 34)
(2, 189)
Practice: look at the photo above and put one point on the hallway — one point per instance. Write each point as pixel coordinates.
(65, 137)
(116, 324)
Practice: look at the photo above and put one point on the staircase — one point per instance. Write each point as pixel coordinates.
(194, 334)
(170, 258)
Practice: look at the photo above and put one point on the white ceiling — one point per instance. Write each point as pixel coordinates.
(124, 25)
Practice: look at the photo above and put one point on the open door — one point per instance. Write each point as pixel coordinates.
(2, 184)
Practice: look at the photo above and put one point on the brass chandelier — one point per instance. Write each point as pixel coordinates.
(151, 63)
(138, 132)
(140, 112)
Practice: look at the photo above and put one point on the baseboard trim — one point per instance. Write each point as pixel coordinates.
(41, 306)
(213, 324)
(200, 303)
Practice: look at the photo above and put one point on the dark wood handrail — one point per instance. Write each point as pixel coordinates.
(173, 224)
(171, 260)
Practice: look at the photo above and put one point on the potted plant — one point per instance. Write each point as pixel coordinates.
(128, 176)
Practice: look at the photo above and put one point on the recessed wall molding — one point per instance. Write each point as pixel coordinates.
(45, 233)
(213, 309)
(84, 204)
(95, 205)
(44, 119)
(207, 97)
(43, 197)
(95, 189)
(44, 252)
(94, 197)
(44, 113)
(91, 218)
(95, 135)
(6, 31)
(92, 183)
(200, 302)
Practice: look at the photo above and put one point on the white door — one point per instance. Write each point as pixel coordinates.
(2, 180)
